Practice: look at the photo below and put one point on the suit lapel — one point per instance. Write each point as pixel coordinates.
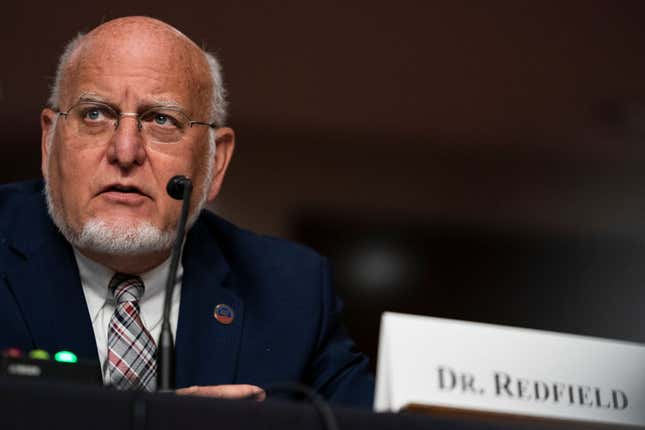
(42, 272)
(206, 350)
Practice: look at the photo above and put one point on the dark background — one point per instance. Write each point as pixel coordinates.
(463, 159)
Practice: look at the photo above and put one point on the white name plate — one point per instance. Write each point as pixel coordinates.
(488, 368)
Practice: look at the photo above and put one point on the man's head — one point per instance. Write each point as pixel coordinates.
(136, 98)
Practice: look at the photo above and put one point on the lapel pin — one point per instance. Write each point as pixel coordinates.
(224, 314)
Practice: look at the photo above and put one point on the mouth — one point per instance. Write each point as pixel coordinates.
(121, 188)
(123, 193)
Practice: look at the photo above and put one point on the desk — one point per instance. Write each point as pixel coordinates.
(35, 404)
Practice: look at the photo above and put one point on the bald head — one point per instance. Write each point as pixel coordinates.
(145, 43)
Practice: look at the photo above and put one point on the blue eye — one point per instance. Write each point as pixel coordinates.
(93, 114)
(161, 119)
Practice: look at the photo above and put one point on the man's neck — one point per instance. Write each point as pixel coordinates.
(130, 264)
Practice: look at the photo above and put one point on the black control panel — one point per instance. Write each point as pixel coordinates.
(62, 366)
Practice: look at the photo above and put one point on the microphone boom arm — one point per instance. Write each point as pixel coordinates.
(165, 346)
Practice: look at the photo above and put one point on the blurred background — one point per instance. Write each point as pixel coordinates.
(461, 159)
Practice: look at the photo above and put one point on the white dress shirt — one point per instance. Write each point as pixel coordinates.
(95, 279)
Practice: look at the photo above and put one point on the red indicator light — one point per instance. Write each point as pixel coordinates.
(12, 352)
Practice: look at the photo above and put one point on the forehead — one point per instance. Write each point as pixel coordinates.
(140, 65)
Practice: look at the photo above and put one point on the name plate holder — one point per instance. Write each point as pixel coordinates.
(503, 374)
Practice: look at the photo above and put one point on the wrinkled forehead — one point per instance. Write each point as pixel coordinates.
(161, 62)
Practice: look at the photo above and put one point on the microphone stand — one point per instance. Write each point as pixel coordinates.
(179, 187)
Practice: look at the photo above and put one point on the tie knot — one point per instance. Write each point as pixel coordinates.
(126, 288)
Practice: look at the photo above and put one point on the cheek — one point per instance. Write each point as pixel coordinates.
(192, 163)
(201, 161)
(164, 163)
(184, 160)
(75, 168)
(72, 171)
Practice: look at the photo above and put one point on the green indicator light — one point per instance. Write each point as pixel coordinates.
(39, 354)
(65, 357)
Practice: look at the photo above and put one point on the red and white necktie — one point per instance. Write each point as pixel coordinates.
(131, 350)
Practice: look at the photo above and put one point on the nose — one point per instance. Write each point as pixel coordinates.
(126, 147)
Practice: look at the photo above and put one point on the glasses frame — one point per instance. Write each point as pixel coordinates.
(118, 115)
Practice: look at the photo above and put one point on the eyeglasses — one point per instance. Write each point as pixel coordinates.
(97, 122)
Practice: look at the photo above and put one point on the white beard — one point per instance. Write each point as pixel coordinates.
(114, 239)
(100, 236)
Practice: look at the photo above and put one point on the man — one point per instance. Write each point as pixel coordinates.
(135, 102)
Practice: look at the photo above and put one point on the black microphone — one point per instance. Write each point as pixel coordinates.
(176, 186)
(179, 188)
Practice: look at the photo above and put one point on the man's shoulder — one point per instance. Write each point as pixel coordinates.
(17, 200)
(249, 248)
(16, 191)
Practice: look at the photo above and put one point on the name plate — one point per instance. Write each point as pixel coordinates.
(488, 368)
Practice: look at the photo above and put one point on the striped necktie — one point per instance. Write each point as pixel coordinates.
(131, 350)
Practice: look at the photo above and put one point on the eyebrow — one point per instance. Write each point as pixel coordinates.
(92, 97)
(169, 103)
(165, 103)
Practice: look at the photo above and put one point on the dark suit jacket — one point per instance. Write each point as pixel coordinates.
(286, 325)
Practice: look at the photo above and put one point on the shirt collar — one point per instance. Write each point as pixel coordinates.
(95, 278)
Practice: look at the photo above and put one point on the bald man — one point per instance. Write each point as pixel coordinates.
(85, 253)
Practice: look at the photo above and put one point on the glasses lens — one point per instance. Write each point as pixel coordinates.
(164, 126)
(93, 121)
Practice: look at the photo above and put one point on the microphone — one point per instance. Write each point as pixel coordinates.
(179, 188)
(176, 186)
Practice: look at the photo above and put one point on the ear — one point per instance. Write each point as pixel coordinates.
(224, 146)
(47, 123)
